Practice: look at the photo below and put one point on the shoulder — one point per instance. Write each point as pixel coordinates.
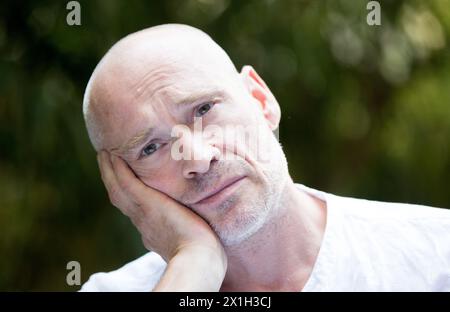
(377, 210)
(397, 223)
(141, 274)
(349, 207)
(373, 245)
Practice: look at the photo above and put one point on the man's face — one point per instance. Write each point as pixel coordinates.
(231, 180)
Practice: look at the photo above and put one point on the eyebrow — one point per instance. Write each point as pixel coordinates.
(193, 98)
(142, 136)
(135, 141)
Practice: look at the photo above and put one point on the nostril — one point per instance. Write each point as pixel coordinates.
(190, 175)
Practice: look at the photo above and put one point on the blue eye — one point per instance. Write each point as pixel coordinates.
(150, 149)
(203, 109)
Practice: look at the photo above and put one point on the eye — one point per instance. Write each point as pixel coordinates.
(150, 149)
(203, 109)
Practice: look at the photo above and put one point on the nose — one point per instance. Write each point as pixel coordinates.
(203, 154)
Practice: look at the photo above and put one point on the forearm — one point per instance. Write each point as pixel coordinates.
(194, 269)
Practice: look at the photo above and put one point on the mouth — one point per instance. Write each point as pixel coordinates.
(221, 191)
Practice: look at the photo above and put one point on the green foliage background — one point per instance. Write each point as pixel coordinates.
(366, 112)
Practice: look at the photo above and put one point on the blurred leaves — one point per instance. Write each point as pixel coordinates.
(366, 112)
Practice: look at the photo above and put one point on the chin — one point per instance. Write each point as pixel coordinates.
(240, 221)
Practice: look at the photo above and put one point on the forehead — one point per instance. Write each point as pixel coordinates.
(143, 75)
(152, 94)
(170, 84)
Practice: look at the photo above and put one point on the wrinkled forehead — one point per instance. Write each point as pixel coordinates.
(170, 83)
(143, 90)
(141, 66)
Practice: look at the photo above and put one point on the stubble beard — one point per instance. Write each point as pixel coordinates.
(238, 224)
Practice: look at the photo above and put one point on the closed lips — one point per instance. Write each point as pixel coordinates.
(219, 188)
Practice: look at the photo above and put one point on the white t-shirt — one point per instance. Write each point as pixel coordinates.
(367, 246)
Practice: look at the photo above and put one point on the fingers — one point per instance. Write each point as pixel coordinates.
(144, 199)
(128, 193)
(116, 195)
(126, 178)
(131, 185)
(105, 169)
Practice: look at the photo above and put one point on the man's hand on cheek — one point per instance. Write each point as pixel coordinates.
(172, 230)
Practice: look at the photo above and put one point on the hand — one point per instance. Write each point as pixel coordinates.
(167, 227)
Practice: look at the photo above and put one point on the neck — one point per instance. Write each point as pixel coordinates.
(281, 255)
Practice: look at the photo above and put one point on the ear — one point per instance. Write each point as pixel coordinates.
(261, 93)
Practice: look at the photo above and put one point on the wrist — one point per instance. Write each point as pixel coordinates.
(195, 268)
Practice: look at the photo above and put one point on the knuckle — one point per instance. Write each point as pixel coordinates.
(114, 196)
(123, 184)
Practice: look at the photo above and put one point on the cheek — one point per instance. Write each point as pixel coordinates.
(244, 133)
(164, 178)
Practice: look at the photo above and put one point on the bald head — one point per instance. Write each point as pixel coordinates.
(164, 61)
(167, 78)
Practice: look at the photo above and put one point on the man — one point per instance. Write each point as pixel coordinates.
(220, 213)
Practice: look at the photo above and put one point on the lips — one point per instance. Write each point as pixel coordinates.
(218, 190)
